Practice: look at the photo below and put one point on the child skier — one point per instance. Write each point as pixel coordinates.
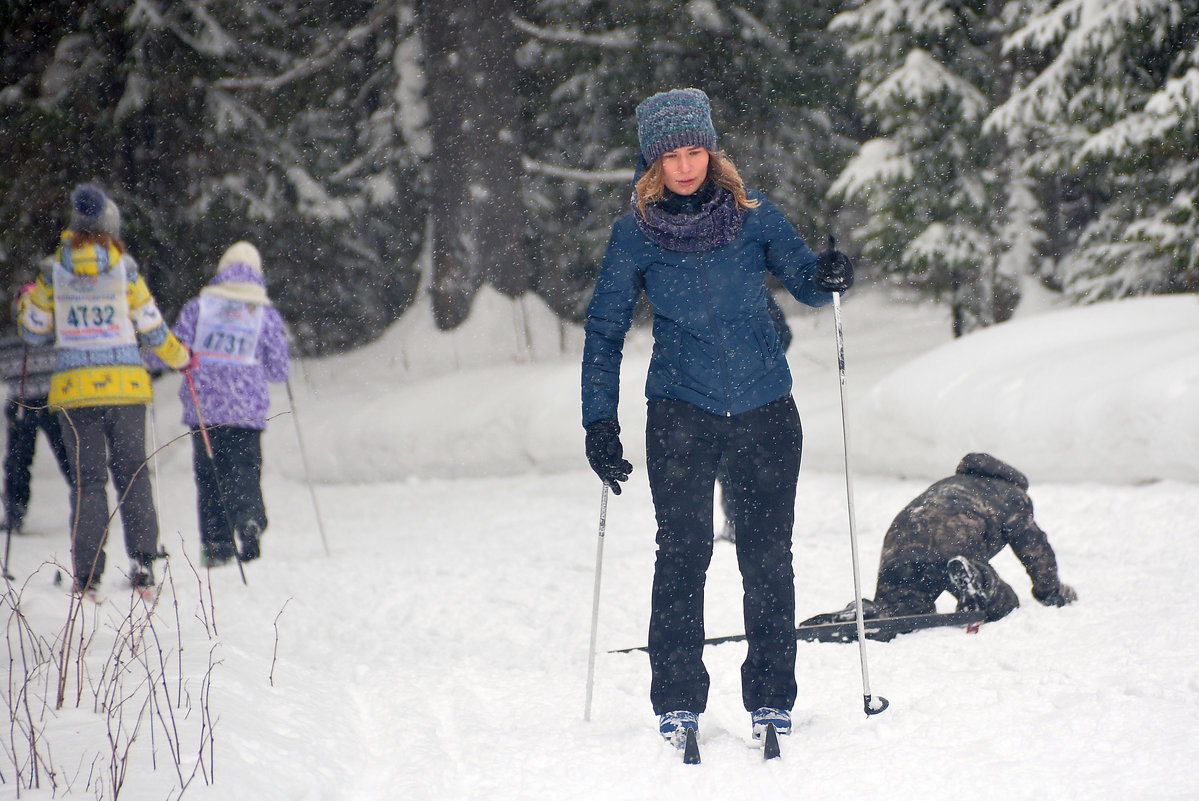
(239, 339)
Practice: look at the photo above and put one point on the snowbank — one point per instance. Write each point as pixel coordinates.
(1104, 393)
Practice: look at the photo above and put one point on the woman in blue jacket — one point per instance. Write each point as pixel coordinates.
(699, 246)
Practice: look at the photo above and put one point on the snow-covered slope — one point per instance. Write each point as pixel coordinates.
(438, 650)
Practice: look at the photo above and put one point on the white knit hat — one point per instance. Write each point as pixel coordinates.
(244, 280)
(241, 253)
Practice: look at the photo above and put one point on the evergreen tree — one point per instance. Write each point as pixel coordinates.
(297, 110)
(47, 69)
(944, 212)
(1116, 108)
(209, 123)
(333, 135)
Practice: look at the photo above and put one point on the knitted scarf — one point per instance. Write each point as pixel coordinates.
(709, 218)
(239, 281)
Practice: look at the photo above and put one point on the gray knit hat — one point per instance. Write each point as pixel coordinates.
(92, 210)
(674, 119)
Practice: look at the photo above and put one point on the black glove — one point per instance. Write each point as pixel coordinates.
(834, 271)
(606, 454)
(1064, 594)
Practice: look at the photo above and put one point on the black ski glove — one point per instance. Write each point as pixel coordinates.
(1064, 594)
(606, 454)
(834, 271)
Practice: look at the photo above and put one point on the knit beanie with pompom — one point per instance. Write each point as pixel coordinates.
(92, 210)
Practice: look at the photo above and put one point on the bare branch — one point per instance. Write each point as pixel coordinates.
(587, 176)
(611, 40)
(275, 652)
(324, 56)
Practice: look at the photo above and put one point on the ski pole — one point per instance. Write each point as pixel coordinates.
(320, 524)
(24, 372)
(868, 702)
(599, 563)
(7, 548)
(154, 458)
(20, 415)
(216, 477)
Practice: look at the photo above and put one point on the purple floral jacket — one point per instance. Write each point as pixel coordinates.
(228, 393)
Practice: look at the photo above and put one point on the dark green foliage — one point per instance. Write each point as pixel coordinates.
(283, 123)
(215, 123)
(335, 135)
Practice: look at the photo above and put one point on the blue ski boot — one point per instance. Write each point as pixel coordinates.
(673, 726)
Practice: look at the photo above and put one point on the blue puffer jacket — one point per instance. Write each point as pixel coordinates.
(715, 346)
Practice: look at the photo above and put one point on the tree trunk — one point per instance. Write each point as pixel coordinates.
(475, 194)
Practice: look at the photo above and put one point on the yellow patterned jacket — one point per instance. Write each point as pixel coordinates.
(97, 357)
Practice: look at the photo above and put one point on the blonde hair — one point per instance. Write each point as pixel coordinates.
(78, 239)
(651, 188)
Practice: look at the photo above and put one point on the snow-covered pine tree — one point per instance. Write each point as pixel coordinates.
(1117, 108)
(214, 122)
(943, 211)
(306, 102)
(57, 93)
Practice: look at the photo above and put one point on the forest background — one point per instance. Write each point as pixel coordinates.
(960, 148)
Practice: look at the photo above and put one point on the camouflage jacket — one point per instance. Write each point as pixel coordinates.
(977, 511)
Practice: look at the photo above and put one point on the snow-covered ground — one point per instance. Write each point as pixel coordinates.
(438, 649)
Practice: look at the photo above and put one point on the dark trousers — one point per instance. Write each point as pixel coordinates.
(23, 424)
(228, 485)
(100, 439)
(912, 588)
(761, 450)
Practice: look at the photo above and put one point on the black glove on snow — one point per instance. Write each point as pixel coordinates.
(834, 271)
(606, 454)
(1064, 594)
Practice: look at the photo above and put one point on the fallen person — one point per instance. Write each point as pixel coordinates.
(944, 539)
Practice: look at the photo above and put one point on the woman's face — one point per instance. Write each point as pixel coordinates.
(684, 169)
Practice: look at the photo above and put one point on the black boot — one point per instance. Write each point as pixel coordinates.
(248, 535)
(971, 586)
(141, 571)
(978, 588)
(216, 554)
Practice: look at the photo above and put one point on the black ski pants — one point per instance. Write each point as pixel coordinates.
(23, 424)
(228, 485)
(761, 450)
(912, 588)
(100, 439)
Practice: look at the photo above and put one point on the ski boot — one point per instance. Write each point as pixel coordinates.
(781, 719)
(970, 585)
(248, 535)
(673, 726)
